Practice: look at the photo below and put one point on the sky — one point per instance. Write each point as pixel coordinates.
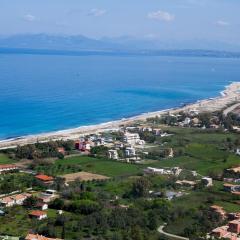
(181, 20)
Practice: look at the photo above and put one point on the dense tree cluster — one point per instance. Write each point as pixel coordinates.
(42, 150)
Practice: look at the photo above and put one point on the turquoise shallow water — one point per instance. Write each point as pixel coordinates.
(42, 93)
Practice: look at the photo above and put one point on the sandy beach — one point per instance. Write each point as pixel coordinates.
(229, 96)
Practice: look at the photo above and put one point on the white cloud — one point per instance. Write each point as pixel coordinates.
(29, 18)
(97, 12)
(161, 16)
(222, 23)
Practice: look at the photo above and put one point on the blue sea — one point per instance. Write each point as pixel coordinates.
(42, 93)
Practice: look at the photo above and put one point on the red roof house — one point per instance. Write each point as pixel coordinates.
(234, 226)
(39, 215)
(44, 178)
(7, 168)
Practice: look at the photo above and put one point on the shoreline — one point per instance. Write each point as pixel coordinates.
(230, 95)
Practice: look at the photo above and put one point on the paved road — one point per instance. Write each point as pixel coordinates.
(160, 230)
(230, 109)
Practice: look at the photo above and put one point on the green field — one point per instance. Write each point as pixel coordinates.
(4, 159)
(103, 166)
(202, 158)
(203, 151)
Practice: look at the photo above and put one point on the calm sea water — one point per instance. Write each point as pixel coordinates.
(46, 93)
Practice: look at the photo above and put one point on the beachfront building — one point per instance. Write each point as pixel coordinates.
(131, 138)
(99, 142)
(187, 121)
(113, 154)
(4, 168)
(145, 129)
(84, 145)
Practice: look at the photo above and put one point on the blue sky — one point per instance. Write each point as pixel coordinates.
(160, 19)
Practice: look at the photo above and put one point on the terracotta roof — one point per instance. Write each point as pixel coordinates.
(236, 169)
(216, 207)
(236, 193)
(39, 237)
(61, 150)
(236, 221)
(44, 177)
(5, 166)
(6, 200)
(37, 213)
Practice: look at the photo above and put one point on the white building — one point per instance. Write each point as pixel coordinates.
(37, 214)
(130, 152)
(17, 199)
(99, 142)
(161, 171)
(238, 151)
(140, 142)
(187, 121)
(207, 181)
(157, 131)
(176, 171)
(171, 153)
(119, 145)
(145, 129)
(113, 154)
(131, 138)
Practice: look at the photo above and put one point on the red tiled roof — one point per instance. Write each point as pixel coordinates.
(37, 213)
(7, 200)
(5, 166)
(44, 177)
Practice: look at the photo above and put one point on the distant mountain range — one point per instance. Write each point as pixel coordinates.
(79, 45)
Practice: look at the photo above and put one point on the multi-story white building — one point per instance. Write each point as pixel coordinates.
(131, 138)
(113, 154)
(130, 152)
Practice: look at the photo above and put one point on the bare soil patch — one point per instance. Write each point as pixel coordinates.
(84, 176)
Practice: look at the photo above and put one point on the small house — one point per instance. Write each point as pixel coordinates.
(44, 179)
(4, 168)
(37, 214)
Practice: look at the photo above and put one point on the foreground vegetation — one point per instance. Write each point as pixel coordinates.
(123, 208)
